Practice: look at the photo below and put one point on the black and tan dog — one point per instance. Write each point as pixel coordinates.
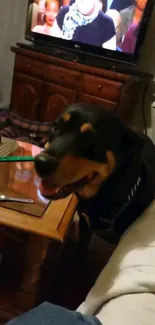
(110, 167)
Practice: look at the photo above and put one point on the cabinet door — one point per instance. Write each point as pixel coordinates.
(56, 99)
(95, 100)
(26, 96)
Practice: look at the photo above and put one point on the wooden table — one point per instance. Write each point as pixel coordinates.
(43, 220)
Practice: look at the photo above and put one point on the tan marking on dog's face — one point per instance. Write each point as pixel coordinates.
(107, 169)
(91, 189)
(104, 171)
(71, 169)
(86, 127)
(47, 145)
(66, 117)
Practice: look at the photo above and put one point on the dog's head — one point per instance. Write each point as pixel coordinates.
(86, 144)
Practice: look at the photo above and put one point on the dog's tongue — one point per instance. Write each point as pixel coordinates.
(48, 191)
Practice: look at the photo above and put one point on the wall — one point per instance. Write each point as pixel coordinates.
(12, 25)
(147, 63)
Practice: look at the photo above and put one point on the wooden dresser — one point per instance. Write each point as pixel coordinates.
(43, 85)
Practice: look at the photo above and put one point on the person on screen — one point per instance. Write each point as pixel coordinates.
(51, 11)
(130, 39)
(41, 16)
(33, 12)
(131, 15)
(84, 22)
(42, 6)
(66, 2)
(73, 1)
(120, 4)
(116, 17)
(101, 5)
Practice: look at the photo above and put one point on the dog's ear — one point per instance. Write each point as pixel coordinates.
(132, 141)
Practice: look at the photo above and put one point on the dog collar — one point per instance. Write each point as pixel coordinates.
(108, 223)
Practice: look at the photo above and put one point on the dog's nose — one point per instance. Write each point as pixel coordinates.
(45, 164)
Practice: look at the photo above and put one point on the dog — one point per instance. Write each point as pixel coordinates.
(109, 166)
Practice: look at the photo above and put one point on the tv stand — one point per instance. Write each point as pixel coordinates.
(52, 51)
(44, 83)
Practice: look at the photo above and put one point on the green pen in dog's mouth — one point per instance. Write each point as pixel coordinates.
(16, 158)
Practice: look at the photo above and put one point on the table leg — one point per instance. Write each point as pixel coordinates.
(85, 234)
(36, 253)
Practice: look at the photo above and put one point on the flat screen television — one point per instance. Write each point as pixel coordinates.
(111, 29)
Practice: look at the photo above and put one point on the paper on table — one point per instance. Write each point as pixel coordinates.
(7, 146)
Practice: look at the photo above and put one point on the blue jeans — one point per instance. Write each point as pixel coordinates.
(48, 314)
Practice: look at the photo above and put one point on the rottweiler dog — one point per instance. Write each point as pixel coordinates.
(109, 166)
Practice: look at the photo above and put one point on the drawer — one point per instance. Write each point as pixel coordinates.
(63, 76)
(95, 100)
(26, 96)
(30, 67)
(102, 88)
(55, 99)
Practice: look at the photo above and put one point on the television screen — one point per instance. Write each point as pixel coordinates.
(98, 25)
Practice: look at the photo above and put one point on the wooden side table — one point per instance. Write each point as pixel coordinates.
(42, 220)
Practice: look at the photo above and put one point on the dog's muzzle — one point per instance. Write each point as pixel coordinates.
(45, 164)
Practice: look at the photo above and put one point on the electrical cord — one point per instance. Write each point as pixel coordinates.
(143, 108)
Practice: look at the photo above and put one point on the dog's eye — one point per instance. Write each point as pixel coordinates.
(54, 131)
(55, 128)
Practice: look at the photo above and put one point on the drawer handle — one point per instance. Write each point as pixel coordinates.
(32, 135)
(99, 86)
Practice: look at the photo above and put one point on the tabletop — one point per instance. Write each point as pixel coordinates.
(19, 179)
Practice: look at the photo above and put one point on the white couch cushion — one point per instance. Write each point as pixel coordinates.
(131, 269)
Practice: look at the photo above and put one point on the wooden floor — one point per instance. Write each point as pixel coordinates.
(67, 281)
